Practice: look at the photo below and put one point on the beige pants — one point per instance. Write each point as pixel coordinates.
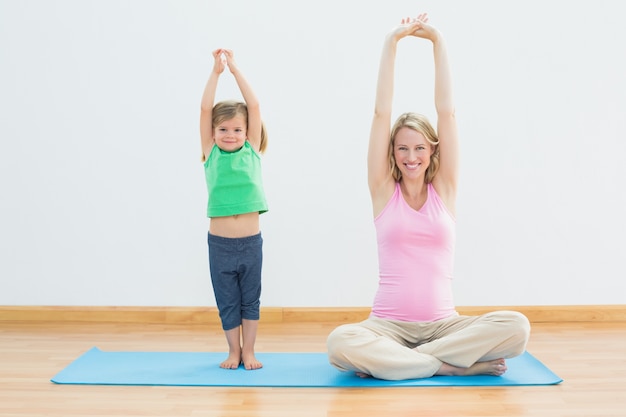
(395, 350)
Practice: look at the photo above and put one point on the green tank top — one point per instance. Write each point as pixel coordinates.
(234, 182)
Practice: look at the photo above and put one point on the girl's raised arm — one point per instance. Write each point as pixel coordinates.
(206, 105)
(252, 103)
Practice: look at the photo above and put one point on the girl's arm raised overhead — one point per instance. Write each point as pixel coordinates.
(206, 105)
(380, 181)
(252, 103)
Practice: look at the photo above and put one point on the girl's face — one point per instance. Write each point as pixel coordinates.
(230, 135)
(411, 152)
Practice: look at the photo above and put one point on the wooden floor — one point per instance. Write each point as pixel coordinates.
(590, 357)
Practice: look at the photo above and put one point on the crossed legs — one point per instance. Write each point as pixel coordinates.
(461, 345)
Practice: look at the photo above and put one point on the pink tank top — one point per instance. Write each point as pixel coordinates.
(416, 260)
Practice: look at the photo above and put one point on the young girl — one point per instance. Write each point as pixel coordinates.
(233, 136)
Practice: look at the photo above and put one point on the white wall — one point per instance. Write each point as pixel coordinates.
(102, 191)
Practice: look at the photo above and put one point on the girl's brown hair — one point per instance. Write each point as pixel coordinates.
(226, 110)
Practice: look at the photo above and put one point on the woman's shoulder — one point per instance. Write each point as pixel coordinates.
(381, 200)
(444, 195)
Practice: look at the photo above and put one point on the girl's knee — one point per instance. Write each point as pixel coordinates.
(251, 311)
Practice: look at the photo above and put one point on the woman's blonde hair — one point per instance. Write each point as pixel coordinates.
(226, 110)
(420, 124)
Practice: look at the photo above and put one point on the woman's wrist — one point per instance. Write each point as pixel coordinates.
(392, 38)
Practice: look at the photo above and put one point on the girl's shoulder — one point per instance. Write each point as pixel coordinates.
(208, 156)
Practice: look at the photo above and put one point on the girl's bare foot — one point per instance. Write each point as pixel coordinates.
(496, 367)
(232, 362)
(250, 362)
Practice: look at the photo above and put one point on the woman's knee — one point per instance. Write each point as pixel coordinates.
(338, 342)
(521, 323)
(514, 320)
(520, 329)
(337, 337)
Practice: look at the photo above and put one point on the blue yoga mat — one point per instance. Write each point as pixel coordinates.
(97, 367)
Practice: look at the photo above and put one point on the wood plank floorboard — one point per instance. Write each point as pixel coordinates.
(590, 357)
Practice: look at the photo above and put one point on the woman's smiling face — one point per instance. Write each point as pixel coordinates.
(411, 152)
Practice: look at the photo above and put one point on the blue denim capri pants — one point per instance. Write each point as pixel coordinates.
(235, 265)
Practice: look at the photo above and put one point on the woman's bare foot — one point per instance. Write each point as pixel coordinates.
(250, 362)
(496, 367)
(232, 362)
